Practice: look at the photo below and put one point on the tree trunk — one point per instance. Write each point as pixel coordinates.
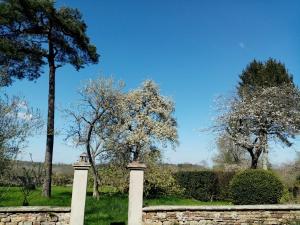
(255, 156)
(254, 162)
(50, 125)
(96, 193)
(265, 157)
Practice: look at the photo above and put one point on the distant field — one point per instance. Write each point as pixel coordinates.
(111, 207)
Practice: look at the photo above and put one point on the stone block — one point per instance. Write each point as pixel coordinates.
(11, 223)
(5, 219)
(47, 223)
(25, 223)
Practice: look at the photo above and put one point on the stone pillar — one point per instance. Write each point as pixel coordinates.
(81, 169)
(135, 202)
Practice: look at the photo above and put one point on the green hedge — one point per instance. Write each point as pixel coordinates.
(201, 185)
(205, 185)
(224, 179)
(256, 187)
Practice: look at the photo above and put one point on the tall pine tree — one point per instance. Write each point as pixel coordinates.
(34, 33)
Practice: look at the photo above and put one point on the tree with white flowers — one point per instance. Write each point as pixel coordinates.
(270, 113)
(147, 123)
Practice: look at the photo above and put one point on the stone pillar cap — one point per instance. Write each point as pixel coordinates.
(81, 166)
(136, 166)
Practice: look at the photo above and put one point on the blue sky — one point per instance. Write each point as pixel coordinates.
(193, 49)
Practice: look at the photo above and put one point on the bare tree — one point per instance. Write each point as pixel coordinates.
(271, 113)
(91, 118)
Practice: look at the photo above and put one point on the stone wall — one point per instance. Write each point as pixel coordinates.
(34, 216)
(225, 215)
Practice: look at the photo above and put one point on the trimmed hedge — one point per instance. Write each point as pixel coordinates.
(251, 187)
(201, 185)
(224, 179)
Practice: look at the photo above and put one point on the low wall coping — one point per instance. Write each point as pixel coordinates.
(25, 209)
(223, 208)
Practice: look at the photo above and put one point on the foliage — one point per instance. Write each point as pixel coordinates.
(119, 127)
(92, 117)
(17, 123)
(256, 187)
(27, 184)
(159, 179)
(258, 74)
(267, 114)
(115, 176)
(223, 187)
(228, 152)
(265, 108)
(286, 196)
(35, 32)
(110, 208)
(147, 122)
(59, 179)
(289, 174)
(201, 185)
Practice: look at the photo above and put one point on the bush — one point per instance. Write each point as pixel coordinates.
(160, 182)
(256, 187)
(223, 189)
(62, 179)
(113, 176)
(201, 185)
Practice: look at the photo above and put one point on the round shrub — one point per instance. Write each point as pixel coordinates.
(254, 186)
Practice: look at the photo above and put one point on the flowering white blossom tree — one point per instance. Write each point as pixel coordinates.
(147, 122)
(271, 113)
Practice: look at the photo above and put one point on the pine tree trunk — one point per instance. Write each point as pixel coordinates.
(50, 125)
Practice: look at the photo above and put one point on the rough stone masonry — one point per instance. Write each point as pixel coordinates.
(34, 216)
(222, 215)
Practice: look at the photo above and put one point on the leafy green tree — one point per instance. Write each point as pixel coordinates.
(33, 33)
(258, 74)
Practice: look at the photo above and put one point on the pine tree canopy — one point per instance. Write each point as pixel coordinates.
(32, 32)
(257, 74)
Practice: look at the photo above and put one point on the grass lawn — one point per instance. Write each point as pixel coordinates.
(111, 207)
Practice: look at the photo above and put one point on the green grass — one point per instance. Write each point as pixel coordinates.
(111, 207)
(180, 201)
